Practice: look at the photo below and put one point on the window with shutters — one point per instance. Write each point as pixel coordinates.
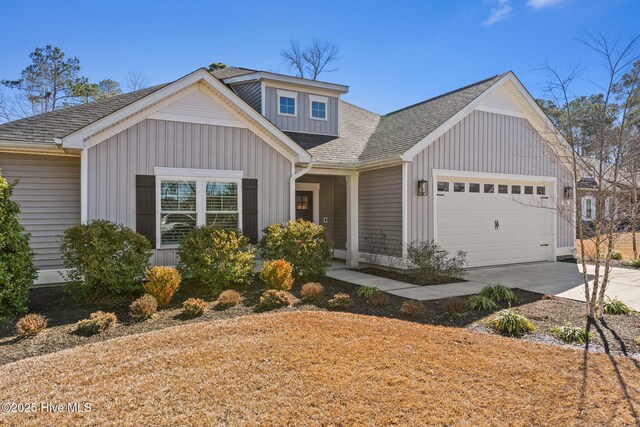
(186, 203)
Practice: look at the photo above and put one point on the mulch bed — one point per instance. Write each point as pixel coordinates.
(612, 334)
(405, 276)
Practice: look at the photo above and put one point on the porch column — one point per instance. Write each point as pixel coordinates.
(352, 219)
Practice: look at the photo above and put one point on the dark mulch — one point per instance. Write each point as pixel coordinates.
(406, 276)
(613, 334)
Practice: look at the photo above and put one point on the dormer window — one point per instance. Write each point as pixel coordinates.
(287, 103)
(318, 108)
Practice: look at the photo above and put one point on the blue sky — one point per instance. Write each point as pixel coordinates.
(393, 53)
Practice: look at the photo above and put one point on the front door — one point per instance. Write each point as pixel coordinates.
(304, 205)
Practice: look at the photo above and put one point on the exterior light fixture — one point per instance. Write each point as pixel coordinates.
(568, 193)
(422, 188)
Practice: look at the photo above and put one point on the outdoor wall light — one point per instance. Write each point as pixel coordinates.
(422, 188)
(568, 193)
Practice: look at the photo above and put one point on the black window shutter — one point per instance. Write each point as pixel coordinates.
(250, 209)
(146, 207)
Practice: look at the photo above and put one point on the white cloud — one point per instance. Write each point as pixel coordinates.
(539, 4)
(502, 11)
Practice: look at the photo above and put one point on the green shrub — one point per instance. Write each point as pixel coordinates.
(216, 258)
(635, 263)
(434, 264)
(302, 243)
(194, 307)
(498, 293)
(144, 307)
(311, 292)
(30, 325)
(616, 306)
(340, 301)
(277, 274)
(17, 272)
(455, 305)
(379, 299)
(616, 255)
(273, 299)
(366, 291)
(507, 322)
(569, 334)
(162, 283)
(227, 299)
(481, 302)
(107, 260)
(412, 308)
(96, 323)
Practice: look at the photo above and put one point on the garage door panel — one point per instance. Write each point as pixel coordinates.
(467, 221)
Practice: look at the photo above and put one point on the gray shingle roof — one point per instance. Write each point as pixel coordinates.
(43, 128)
(228, 72)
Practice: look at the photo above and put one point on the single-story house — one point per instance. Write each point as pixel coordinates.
(475, 169)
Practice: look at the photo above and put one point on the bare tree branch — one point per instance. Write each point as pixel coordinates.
(136, 81)
(313, 60)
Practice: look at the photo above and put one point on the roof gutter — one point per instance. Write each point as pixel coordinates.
(260, 75)
(33, 148)
(361, 166)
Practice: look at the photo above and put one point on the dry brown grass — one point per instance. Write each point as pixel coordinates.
(319, 368)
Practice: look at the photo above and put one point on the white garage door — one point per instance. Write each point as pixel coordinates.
(495, 221)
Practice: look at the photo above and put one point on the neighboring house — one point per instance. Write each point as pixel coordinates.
(470, 169)
(589, 192)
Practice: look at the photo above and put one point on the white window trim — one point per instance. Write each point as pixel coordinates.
(288, 94)
(322, 99)
(584, 208)
(201, 212)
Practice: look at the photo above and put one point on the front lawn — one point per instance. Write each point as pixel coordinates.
(321, 368)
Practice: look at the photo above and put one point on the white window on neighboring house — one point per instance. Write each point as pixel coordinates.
(588, 208)
(318, 110)
(287, 103)
(608, 208)
(184, 203)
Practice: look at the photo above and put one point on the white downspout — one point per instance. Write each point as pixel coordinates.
(292, 187)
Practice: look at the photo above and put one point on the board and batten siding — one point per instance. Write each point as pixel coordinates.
(48, 193)
(115, 162)
(491, 143)
(380, 203)
(303, 121)
(251, 93)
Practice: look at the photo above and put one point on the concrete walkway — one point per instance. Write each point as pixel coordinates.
(556, 278)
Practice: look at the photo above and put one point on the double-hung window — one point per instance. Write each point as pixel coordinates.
(318, 110)
(188, 202)
(287, 103)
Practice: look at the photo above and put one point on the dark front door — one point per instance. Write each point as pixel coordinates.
(304, 205)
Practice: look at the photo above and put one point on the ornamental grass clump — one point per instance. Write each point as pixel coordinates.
(17, 271)
(277, 274)
(340, 301)
(216, 258)
(616, 306)
(571, 334)
(144, 307)
(379, 299)
(227, 299)
(498, 293)
(194, 307)
(482, 302)
(311, 292)
(366, 291)
(30, 325)
(273, 299)
(97, 322)
(508, 322)
(455, 305)
(302, 243)
(412, 308)
(162, 283)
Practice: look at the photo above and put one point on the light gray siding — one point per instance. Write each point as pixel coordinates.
(251, 93)
(114, 164)
(333, 206)
(485, 142)
(380, 202)
(302, 122)
(49, 198)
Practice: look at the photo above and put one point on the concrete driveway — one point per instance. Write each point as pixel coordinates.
(561, 279)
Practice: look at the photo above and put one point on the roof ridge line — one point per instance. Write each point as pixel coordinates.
(444, 94)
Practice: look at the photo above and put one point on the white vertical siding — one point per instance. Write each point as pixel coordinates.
(302, 122)
(485, 142)
(49, 198)
(114, 164)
